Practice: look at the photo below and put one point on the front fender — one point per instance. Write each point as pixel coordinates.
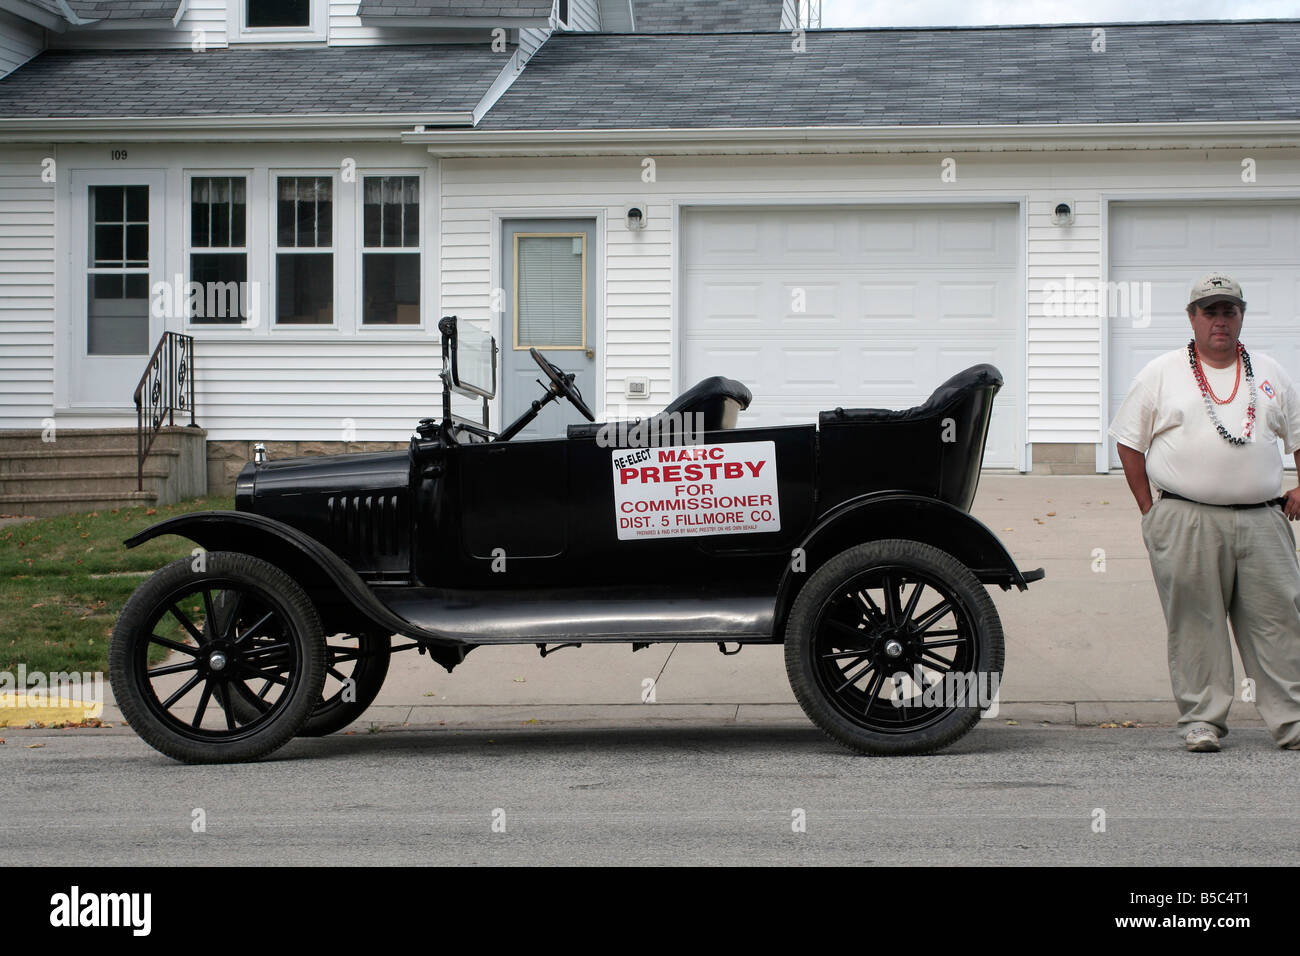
(302, 557)
(896, 514)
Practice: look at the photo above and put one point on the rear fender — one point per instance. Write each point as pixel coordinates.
(321, 573)
(893, 514)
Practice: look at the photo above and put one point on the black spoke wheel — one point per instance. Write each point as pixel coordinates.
(355, 668)
(199, 635)
(894, 647)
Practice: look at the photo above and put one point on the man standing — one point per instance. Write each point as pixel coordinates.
(1200, 424)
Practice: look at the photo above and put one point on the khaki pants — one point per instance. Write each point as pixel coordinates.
(1211, 564)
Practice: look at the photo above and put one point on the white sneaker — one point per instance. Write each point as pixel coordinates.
(1202, 740)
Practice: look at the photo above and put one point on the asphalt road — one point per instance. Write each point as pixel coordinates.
(668, 793)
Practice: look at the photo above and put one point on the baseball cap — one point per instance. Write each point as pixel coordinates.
(1216, 287)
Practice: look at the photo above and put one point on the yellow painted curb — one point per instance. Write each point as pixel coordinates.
(16, 711)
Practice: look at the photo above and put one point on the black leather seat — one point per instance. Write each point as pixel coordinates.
(951, 393)
(715, 400)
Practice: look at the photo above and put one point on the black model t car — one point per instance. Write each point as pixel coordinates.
(849, 541)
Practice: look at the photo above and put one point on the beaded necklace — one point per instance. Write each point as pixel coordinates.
(1243, 357)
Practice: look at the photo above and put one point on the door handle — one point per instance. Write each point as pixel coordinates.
(591, 353)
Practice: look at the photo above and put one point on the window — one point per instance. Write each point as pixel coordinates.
(390, 279)
(219, 248)
(304, 281)
(279, 13)
(117, 299)
(550, 290)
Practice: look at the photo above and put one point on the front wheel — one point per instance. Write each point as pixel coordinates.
(195, 636)
(894, 647)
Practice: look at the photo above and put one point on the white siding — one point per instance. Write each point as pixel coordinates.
(208, 16)
(1064, 355)
(19, 42)
(789, 14)
(26, 289)
(530, 41)
(583, 15)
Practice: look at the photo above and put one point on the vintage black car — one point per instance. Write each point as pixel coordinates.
(849, 541)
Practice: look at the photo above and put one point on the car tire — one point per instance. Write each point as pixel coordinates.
(846, 642)
(281, 643)
(333, 713)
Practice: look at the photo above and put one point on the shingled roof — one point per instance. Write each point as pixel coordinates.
(125, 9)
(1149, 72)
(706, 16)
(240, 82)
(482, 9)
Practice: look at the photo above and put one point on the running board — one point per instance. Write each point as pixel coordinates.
(593, 616)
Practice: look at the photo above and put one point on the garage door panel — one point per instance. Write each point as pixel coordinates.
(896, 299)
(1172, 244)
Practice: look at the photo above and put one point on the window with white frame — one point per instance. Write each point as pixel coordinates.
(304, 255)
(277, 21)
(390, 258)
(219, 248)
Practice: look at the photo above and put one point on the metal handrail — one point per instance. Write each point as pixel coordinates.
(167, 386)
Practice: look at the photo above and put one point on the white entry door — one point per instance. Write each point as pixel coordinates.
(1171, 245)
(814, 308)
(117, 256)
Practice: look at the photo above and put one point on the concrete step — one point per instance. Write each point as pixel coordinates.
(82, 482)
(41, 506)
(88, 439)
(72, 462)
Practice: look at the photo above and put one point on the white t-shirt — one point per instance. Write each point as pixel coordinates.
(1164, 417)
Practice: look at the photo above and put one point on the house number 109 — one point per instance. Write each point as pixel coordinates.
(119, 154)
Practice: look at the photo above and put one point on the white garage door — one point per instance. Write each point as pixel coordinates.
(1171, 245)
(858, 307)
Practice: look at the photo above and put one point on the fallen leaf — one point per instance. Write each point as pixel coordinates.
(1128, 723)
(430, 693)
(151, 511)
(1013, 723)
(1051, 514)
(1008, 529)
(532, 720)
(520, 680)
(1109, 724)
(1105, 502)
(35, 746)
(2, 740)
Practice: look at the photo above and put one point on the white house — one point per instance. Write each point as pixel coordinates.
(834, 217)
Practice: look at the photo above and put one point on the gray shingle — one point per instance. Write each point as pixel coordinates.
(370, 79)
(1152, 72)
(124, 9)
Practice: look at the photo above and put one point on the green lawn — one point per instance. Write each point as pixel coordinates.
(63, 581)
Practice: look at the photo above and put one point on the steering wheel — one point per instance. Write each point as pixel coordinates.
(563, 384)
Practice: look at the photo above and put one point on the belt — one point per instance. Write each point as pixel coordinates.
(1257, 504)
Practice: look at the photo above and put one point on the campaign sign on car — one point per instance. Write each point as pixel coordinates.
(695, 490)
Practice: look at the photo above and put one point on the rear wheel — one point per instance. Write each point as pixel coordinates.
(355, 668)
(199, 634)
(894, 647)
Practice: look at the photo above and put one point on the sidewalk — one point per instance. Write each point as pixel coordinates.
(1084, 646)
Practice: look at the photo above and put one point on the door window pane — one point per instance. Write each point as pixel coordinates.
(551, 300)
(117, 321)
(117, 287)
